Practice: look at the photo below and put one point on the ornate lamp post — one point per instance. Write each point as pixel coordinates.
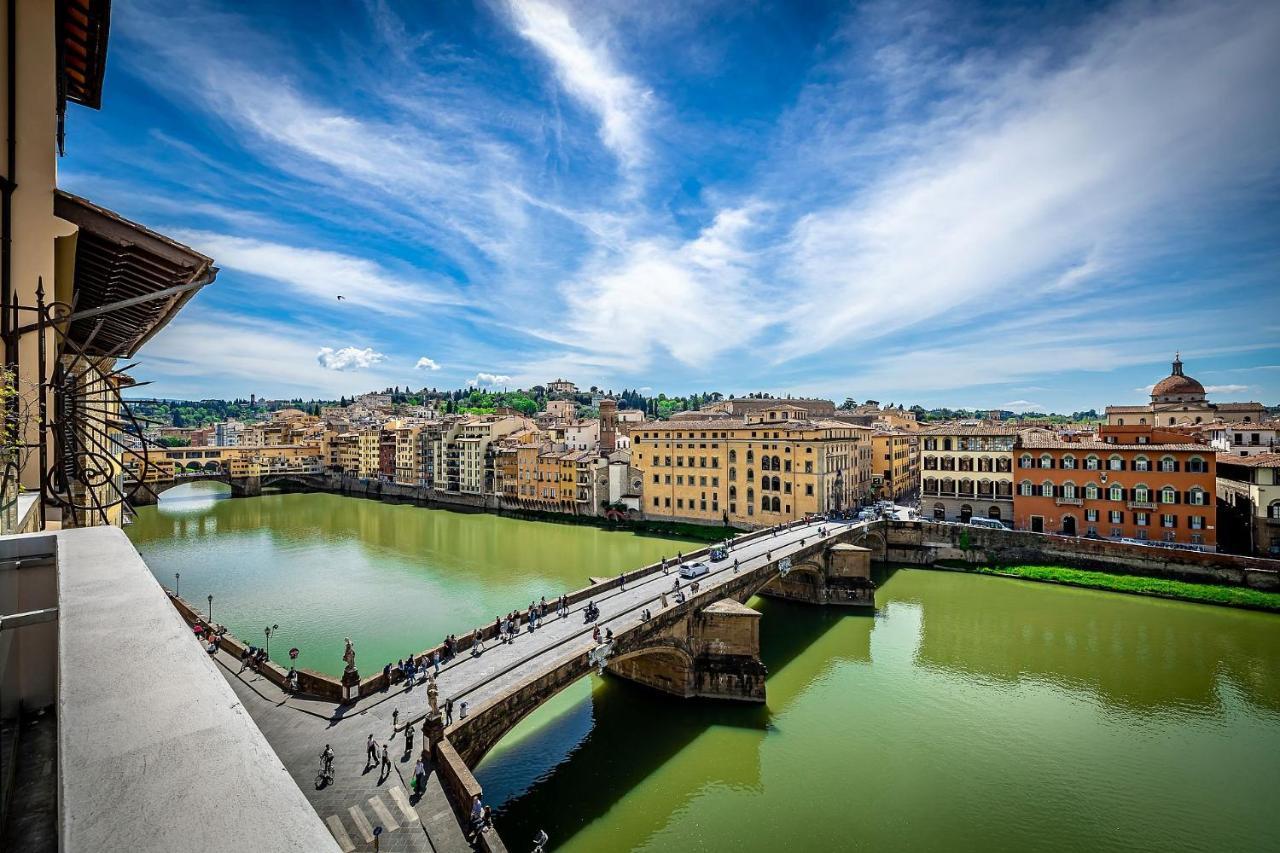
(269, 632)
(177, 590)
(211, 610)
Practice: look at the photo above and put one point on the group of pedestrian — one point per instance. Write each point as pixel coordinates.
(590, 613)
(481, 818)
(377, 755)
(253, 658)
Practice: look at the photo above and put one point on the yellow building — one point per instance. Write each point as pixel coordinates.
(115, 283)
(967, 470)
(767, 468)
(460, 452)
(896, 472)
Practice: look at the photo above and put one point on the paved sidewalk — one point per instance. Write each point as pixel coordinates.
(360, 797)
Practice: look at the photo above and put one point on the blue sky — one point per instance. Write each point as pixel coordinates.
(1000, 205)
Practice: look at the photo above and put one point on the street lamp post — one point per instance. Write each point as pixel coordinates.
(211, 610)
(268, 632)
(177, 590)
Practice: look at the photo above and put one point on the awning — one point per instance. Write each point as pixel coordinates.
(83, 26)
(129, 280)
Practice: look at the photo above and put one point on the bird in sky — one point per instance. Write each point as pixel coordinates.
(341, 298)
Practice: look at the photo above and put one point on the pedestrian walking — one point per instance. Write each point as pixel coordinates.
(435, 661)
(386, 760)
(419, 774)
(395, 721)
(408, 740)
(622, 580)
(664, 601)
(371, 748)
(448, 712)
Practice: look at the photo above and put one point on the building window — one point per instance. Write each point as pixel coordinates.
(1091, 492)
(1116, 493)
(1115, 463)
(1024, 488)
(1068, 490)
(1141, 519)
(1168, 463)
(1141, 493)
(1197, 522)
(1196, 465)
(1046, 490)
(1198, 497)
(1091, 463)
(1025, 461)
(1117, 517)
(1168, 495)
(1069, 462)
(1090, 515)
(1168, 520)
(1141, 463)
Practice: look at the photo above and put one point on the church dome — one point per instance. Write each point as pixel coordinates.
(1177, 385)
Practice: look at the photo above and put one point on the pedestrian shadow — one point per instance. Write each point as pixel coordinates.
(601, 748)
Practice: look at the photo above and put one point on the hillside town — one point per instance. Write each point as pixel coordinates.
(1181, 471)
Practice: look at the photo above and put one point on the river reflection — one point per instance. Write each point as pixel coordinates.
(968, 714)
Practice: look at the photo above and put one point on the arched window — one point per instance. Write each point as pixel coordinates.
(1197, 465)
(764, 503)
(764, 463)
(1046, 461)
(1172, 421)
(733, 456)
(777, 484)
(1068, 489)
(1024, 461)
(1069, 462)
(930, 486)
(1025, 488)
(751, 456)
(777, 463)
(733, 493)
(1115, 493)
(751, 475)
(1142, 420)
(1091, 463)
(1198, 496)
(1273, 511)
(1115, 463)
(1141, 463)
(777, 505)
(751, 496)
(733, 473)
(1046, 489)
(994, 512)
(1142, 493)
(1168, 495)
(1091, 492)
(1119, 421)
(1168, 463)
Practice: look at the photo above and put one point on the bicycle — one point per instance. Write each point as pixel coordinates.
(325, 776)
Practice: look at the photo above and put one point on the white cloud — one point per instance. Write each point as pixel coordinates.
(1034, 172)
(1225, 389)
(1145, 390)
(319, 274)
(588, 72)
(1023, 406)
(488, 380)
(425, 363)
(348, 358)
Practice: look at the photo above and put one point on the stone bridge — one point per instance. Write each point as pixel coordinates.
(705, 646)
(241, 487)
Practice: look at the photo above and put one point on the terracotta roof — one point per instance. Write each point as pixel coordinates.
(1037, 441)
(1264, 425)
(1238, 407)
(1177, 384)
(959, 429)
(1262, 460)
(1128, 408)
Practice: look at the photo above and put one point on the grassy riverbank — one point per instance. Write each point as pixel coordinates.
(1230, 596)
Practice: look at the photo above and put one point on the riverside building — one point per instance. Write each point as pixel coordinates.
(1130, 482)
(772, 466)
(967, 470)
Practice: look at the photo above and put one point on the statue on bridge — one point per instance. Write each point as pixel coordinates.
(433, 697)
(349, 656)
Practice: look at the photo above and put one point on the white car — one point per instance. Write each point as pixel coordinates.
(694, 570)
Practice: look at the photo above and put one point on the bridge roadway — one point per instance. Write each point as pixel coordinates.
(504, 669)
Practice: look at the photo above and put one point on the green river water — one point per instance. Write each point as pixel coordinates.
(969, 713)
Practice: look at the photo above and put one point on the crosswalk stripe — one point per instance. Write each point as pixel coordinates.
(362, 823)
(402, 800)
(340, 833)
(388, 822)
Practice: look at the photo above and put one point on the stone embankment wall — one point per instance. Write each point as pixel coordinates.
(928, 542)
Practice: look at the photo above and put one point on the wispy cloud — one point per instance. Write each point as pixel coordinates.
(590, 74)
(322, 274)
(1226, 389)
(425, 363)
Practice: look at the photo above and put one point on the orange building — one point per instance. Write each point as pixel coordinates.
(1131, 482)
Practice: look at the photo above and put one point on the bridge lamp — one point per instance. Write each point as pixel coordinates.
(268, 632)
(177, 590)
(211, 610)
